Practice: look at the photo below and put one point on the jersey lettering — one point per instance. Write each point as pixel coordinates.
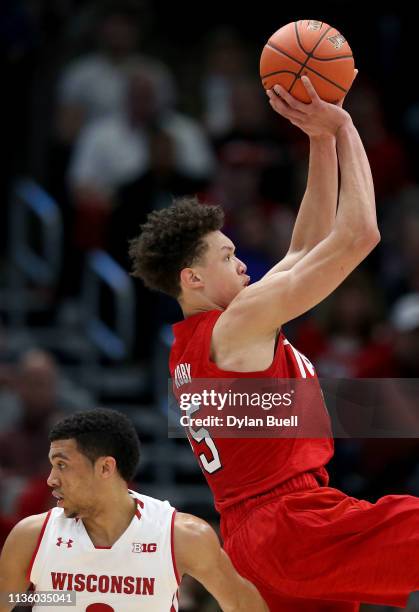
(202, 435)
(304, 364)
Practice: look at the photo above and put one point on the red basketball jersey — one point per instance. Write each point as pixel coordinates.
(239, 468)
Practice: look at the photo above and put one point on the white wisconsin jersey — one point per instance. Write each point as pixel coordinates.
(137, 573)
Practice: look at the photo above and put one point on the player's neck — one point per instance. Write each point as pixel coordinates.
(196, 305)
(111, 519)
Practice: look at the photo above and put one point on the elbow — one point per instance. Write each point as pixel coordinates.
(359, 243)
(367, 240)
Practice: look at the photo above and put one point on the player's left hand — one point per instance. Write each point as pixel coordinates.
(318, 118)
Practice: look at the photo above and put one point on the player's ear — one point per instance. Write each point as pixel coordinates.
(190, 279)
(106, 466)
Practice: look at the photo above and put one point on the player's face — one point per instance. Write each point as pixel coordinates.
(73, 479)
(223, 273)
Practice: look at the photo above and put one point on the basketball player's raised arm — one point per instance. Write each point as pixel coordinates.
(282, 296)
(199, 554)
(15, 558)
(317, 213)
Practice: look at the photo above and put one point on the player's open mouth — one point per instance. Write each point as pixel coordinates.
(247, 281)
(59, 498)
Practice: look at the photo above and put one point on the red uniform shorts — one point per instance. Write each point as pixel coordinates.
(314, 549)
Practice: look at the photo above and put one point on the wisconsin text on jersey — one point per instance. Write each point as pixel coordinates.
(129, 585)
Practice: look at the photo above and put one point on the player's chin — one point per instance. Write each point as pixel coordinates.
(70, 512)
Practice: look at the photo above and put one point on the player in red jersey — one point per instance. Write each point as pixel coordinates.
(306, 546)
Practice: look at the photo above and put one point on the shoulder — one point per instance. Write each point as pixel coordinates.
(23, 539)
(196, 543)
(27, 531)
(246, 316)
(190, 528)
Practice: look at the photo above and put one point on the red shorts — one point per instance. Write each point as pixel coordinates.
(314, 549)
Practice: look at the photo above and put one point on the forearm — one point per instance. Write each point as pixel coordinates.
(251, 600)
(246, 598)
(233, 592)
(356, 213)
(317, 213)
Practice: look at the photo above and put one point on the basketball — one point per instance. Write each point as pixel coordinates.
(311, 48)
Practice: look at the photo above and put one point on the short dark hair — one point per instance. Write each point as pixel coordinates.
(172, 239)
(99, 433)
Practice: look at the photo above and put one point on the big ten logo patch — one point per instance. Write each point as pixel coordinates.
(138, 547)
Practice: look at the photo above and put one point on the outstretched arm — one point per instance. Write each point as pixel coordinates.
(258, 310)
(199, 554)
(317, 212)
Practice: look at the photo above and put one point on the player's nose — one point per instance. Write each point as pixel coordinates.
(52, 480)
(242, 267)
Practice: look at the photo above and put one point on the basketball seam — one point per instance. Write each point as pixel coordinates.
(309, 54)
(278, 72)
(331, 59)
(297, 61)
(319, 74)
(278, 50)
(297, 35)
(319, 59)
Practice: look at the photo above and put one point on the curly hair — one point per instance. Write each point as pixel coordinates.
(173, 239)
(99, 433)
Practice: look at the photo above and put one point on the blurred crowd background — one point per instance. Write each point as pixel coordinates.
(109, 109)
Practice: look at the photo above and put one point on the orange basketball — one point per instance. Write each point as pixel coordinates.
(312, 48)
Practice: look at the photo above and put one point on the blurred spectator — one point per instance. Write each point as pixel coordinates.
(251, 117)
(254, 179)
(386, 154)
(399, 252)
(120, 149)
(32, 398)
(259, 223)
(38, 396)
(6, 525)
(342, 337)
(93, 86)
(388, 462)
(405, 321)
(19, 40)
(399, 350)
(225, 62)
